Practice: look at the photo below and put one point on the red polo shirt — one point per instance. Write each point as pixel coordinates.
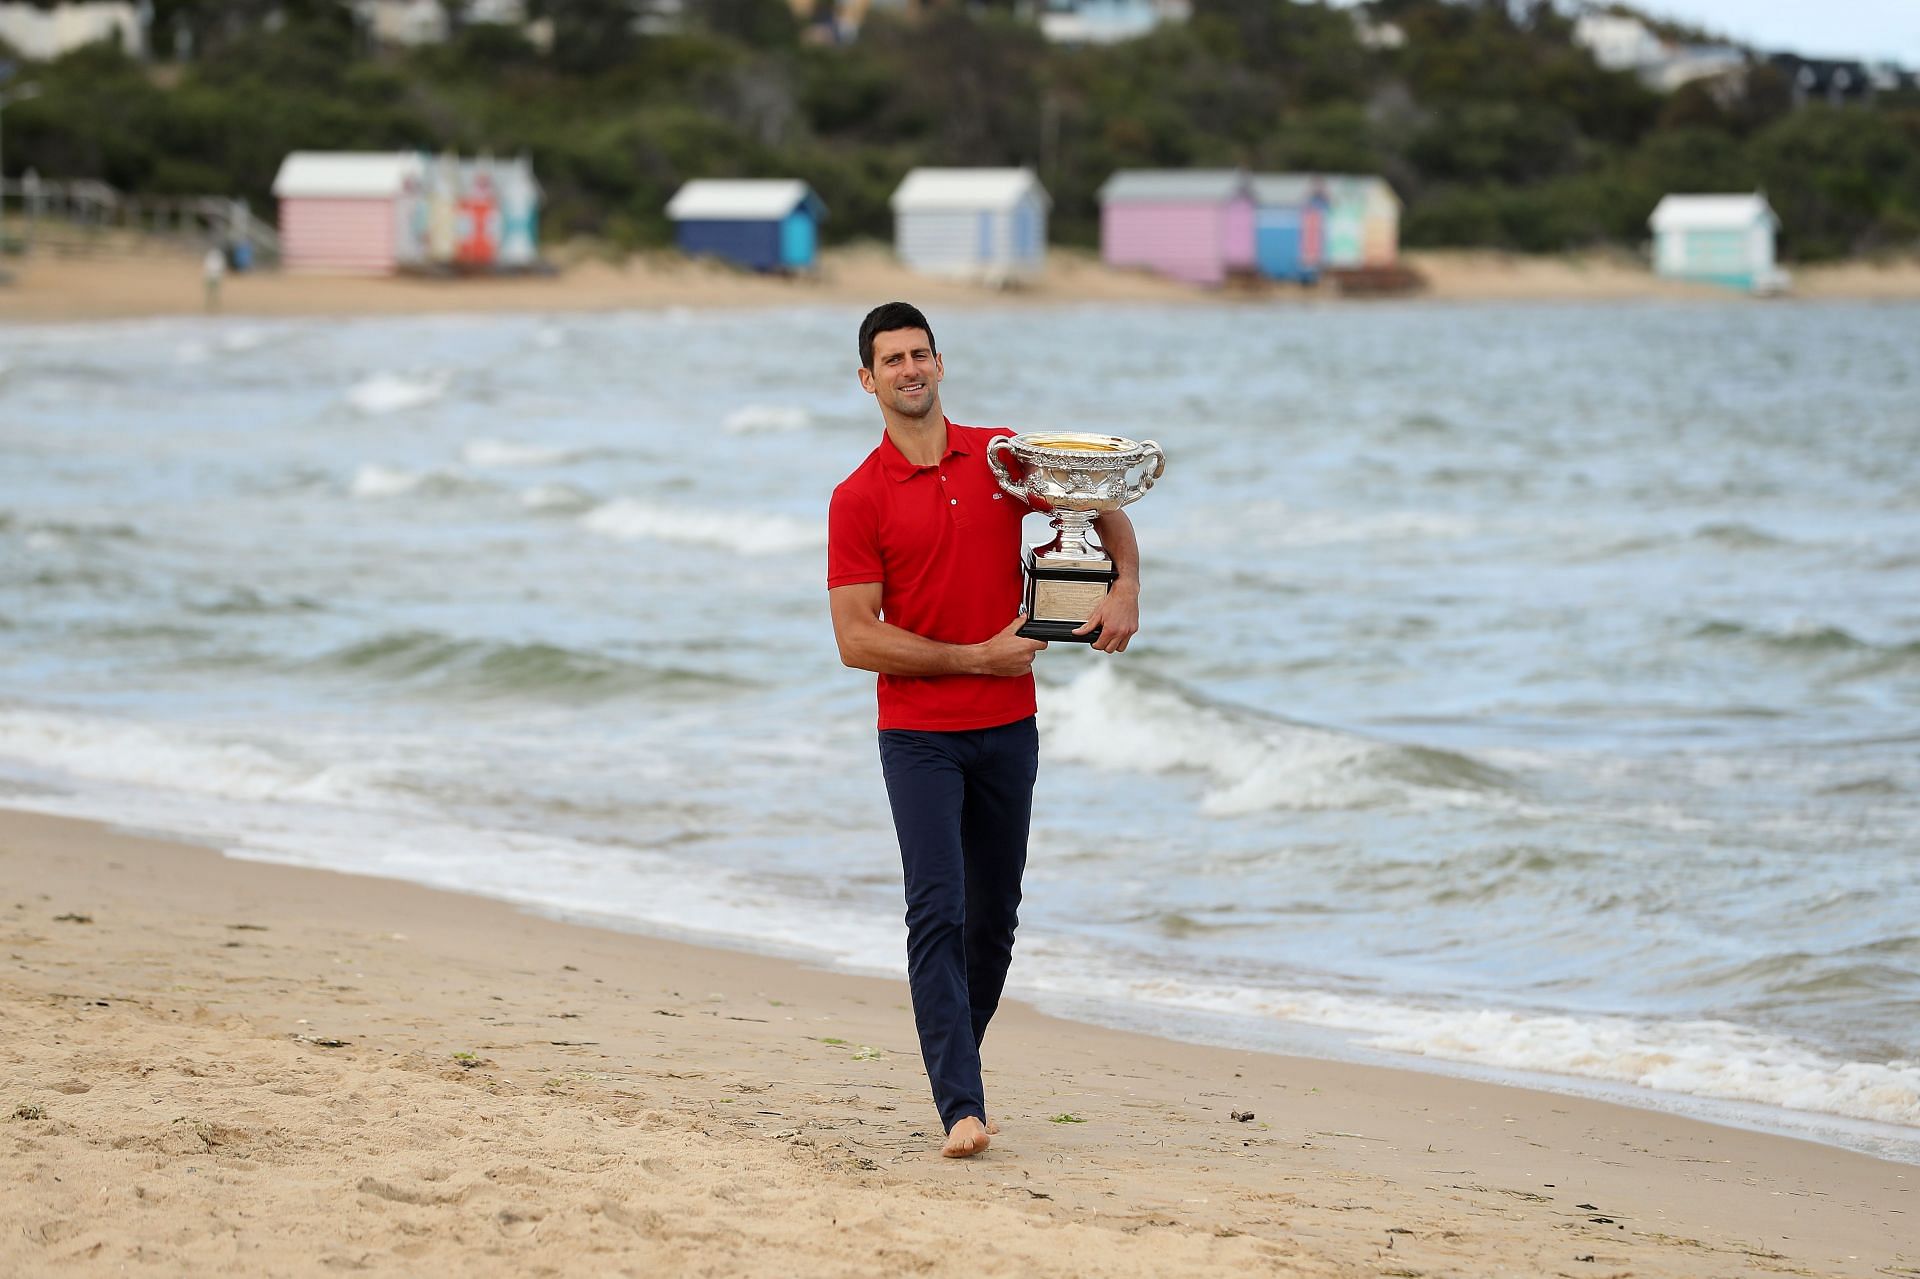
(943, 541)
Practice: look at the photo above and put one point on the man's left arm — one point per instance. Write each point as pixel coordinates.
(1118, 615)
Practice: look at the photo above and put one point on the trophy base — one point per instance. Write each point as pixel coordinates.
(1062, 597)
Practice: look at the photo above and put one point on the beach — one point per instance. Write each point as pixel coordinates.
(156, 282)
(217, 1066)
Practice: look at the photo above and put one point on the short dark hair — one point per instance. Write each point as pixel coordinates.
(887, 317)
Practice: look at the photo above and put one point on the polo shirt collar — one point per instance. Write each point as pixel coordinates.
(895, 463)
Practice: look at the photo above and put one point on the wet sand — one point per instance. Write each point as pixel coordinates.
(215, 1066)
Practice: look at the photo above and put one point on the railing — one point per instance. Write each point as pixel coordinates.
(86, 217)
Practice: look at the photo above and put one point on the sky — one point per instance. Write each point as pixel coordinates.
(1817, 28)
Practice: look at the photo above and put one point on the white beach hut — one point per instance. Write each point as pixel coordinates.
(975, 224)
(1718, 239)
(350, 211)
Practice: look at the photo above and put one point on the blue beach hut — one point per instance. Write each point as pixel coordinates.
(763, 224)
(1289, 226)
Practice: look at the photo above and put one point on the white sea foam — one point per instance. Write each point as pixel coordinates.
(1715, 1059)
(507, 453)
(756, 418)
(1252, 762)
(746, 532)
(385, 393)
(374, 480)
(259, 800)
(238, 340)
(557, 499)
(135, 754)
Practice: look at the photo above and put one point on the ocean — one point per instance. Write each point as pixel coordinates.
(1527, 691)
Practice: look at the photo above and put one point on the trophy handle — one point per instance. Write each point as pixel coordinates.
(995, 447)
(1148, 475)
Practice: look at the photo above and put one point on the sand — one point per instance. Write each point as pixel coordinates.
(214, 1066)
(47, 287)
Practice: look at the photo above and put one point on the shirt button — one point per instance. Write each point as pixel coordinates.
(953, 501)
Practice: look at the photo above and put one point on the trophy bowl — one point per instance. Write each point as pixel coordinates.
(1076, 476)
(1073, 477)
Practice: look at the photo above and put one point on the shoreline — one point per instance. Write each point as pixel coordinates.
(49, 289)
(248, 1066)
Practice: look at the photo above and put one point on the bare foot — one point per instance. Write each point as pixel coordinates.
(992, 1127)
(966, 1138)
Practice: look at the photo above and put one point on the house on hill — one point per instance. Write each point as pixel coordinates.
(45, 32)
(763, 224)
(1718, 239)
(977, 224)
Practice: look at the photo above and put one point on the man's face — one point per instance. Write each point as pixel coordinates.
(906, 373)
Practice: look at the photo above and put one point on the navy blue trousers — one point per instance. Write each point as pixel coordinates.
(960, 802)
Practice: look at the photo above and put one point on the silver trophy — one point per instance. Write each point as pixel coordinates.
(1075, 477)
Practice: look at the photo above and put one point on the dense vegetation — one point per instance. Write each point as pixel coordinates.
(1494, 127)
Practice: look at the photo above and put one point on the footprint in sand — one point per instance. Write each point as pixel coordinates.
(518, 1223)
(642, 1221)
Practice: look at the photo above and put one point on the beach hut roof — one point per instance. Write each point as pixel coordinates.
(1171, 185)
(1287, 188)
(1356, 186)
(1700, 212)
(926, 189)
(347, 174)
(742, 200)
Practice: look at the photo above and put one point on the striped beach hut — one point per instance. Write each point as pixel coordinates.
(1289, 225)
(763, 224)
(350, 212)
(1195, 225)
(1717, 239)
(974, 224)
(1363, 221)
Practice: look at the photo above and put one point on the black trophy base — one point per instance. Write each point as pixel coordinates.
(1062, 599)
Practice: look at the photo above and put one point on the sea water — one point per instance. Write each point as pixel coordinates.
(1527, 690)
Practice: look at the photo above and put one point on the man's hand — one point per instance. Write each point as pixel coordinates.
(1007, 653)
(1118, 618)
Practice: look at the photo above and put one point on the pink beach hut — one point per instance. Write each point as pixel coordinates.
(349, 212)
(1190, 224)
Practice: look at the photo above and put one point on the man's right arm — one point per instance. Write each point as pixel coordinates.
(870, 644)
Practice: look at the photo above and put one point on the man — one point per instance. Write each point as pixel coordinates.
(923, 573)
(213, 269)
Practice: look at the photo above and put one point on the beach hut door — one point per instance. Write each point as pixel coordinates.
(796, 240)
(1026, 232)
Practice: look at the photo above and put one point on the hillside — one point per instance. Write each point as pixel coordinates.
(1496, 129)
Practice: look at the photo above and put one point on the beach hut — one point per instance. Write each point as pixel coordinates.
(1195, 225)
(350, 211)
(764, 224)
(519, 195)
(375, 213)
(1718, 239)
(1362, 221)
(976, 224)
(1289, 225)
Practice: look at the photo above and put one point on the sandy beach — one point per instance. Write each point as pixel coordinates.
(52, 288)
(219, 1066)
